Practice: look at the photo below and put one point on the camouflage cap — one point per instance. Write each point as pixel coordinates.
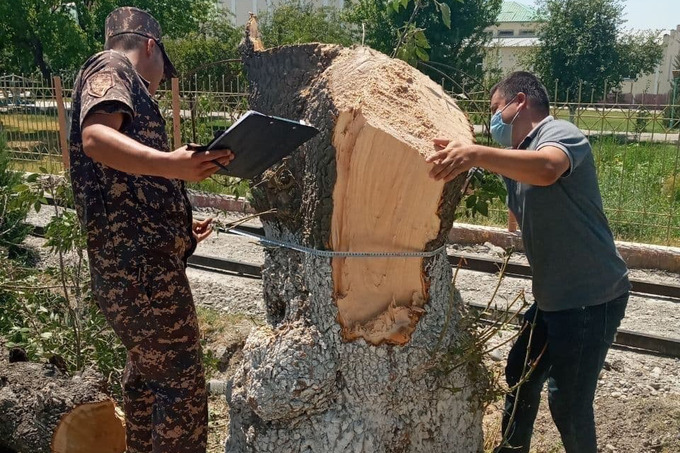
(128, 19)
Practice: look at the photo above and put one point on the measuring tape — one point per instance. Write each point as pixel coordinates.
(334, 254)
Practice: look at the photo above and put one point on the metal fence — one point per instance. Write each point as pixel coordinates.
(29, 123)
(636, 147)
(205, 106)
(636, 144)
(28, 117)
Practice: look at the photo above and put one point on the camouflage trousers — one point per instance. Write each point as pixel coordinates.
(151, 310)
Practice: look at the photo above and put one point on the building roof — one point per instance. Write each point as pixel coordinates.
(516, 12)
(514, 42)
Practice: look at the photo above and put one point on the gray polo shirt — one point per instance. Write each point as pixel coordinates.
(566, 235)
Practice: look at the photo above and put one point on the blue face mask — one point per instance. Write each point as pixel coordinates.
(501, 131)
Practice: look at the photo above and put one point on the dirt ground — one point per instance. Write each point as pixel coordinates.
(638, 398)
(637, 403)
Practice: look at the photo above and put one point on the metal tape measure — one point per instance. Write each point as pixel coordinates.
(335, 254)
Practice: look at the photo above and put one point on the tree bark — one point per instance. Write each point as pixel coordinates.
(348, 362)
(39, 56)
(44, 410)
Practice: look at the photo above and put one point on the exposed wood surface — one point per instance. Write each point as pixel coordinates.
(45, 410)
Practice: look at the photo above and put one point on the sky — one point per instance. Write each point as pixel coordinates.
(645, 14)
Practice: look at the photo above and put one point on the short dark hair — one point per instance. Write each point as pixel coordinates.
(527, 83)
(125, 42)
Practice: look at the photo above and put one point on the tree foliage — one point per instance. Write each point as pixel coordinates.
(49, 310)
(202, 52)
(52, 36)
(300, 21)
(450, 32)
(584, 48)
(16, 200)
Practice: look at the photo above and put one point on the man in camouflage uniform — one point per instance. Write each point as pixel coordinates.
(130, 195)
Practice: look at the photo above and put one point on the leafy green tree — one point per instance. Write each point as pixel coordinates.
(300, 21)
(58, 35)
(205, 52)
(39, 35)
(448, 35)
(584, 48)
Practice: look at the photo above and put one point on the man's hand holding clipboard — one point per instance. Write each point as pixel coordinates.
(257, 142)
(220, 158)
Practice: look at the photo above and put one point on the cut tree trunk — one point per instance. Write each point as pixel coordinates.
(348, 362)
(43, 410)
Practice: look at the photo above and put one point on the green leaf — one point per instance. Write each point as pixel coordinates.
(420, 38)
(446, 14)
(482, 208)
(470, 201)
(37, 205)
(422, 54)
(43, 170)
(33, 177)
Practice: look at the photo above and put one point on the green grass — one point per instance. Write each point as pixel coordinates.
(618, 121)
(51, 163)
(27, 122)
(591, 119)
(29, 133)
(640, 195)
(223, 185)
(640, 185)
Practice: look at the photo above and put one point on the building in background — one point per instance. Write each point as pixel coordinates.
(516, 35)
(243, 8)
(512, 38)
(656, 88)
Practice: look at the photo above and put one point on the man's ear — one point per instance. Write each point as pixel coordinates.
(150, 44)
(522, 100)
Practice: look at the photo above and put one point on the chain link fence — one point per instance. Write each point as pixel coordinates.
(636, 141)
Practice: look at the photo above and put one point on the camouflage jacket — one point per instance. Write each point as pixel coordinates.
(127, 217)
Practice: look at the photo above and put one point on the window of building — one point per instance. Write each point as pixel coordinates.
(527, 32)
(506, 33)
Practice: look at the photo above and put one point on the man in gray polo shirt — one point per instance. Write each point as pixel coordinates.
(580, 282)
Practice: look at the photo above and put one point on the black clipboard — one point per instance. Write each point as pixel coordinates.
(259, 141)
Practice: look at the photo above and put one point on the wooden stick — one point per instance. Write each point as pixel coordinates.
(176, 136)
(61, 116)
(512, 222)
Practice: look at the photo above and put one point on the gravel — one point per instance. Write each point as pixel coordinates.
(649, 314)
(638, 397)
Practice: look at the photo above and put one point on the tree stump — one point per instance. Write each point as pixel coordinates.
(44, 410)
(347, 362)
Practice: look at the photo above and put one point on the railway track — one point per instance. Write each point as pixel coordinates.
(643, 342)
(628, 339)
(489, 265)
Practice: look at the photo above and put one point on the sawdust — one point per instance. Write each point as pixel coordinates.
(384, 199)
(397, 97)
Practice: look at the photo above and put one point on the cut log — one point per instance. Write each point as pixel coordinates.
(348, 362)
(44, 410)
